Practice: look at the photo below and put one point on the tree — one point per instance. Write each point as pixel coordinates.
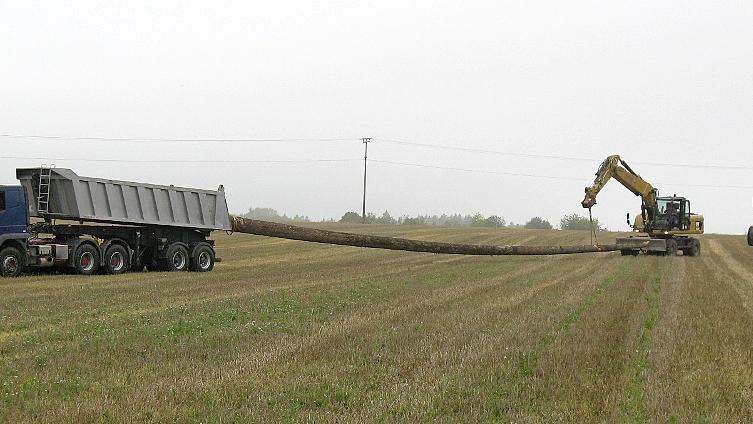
(386, 219)
(419, 220)
(269, 214)
(351, 218)
(537, 223)
(300, 218)
(478, 220)
(495, 221)
(264, 214)
(455, 220)
(577, 222)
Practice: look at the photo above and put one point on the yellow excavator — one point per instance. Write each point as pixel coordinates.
(666, 222)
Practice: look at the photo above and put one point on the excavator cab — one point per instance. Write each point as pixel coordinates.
(672, 214)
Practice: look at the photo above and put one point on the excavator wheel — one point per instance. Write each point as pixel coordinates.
(695, 248)
(671, 248)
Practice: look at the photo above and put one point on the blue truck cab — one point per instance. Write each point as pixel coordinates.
(14, 222)
(14, 218)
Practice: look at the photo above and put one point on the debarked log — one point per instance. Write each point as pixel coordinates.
(294, 232)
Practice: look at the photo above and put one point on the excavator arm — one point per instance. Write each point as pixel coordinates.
(614, 167)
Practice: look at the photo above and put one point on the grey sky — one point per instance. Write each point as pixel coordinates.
(657, 82)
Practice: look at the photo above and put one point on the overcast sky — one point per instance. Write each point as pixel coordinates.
(656, 82)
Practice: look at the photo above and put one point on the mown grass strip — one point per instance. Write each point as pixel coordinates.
(633, 407)
(503, 397)
(529, 363)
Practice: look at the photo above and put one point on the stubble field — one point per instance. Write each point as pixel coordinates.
(292, 331)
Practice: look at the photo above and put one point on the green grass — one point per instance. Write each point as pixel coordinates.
(634, 407)
(287, 331)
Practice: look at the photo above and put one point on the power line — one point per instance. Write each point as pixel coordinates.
(556, 157)
(384, 140)
(517, 174)
(295, 161)
(177, 161)
(476, 150)
(480, 171)
(182, 140)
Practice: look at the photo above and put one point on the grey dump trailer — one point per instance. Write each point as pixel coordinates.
(91, 224)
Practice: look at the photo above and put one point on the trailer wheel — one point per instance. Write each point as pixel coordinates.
(116, 259)
(203, 259)
(177, 258)
(11, 262)
(86, 260)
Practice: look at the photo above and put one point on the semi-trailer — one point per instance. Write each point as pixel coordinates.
(56, 218)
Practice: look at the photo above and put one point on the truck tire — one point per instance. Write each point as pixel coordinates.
(750, 236)
(86, 259)
(116, 259)
(11, 262)
(176, 258)
(202, 259)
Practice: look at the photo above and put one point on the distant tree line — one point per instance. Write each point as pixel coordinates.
(269, 214)
(568, 222)
(444, 220)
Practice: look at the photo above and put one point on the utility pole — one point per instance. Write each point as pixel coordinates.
(366, 141)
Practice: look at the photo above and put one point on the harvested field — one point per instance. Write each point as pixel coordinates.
(293, 331)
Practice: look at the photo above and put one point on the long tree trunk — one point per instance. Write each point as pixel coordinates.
(293, 232)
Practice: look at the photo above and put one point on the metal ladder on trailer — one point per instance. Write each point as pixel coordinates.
(43, 191)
